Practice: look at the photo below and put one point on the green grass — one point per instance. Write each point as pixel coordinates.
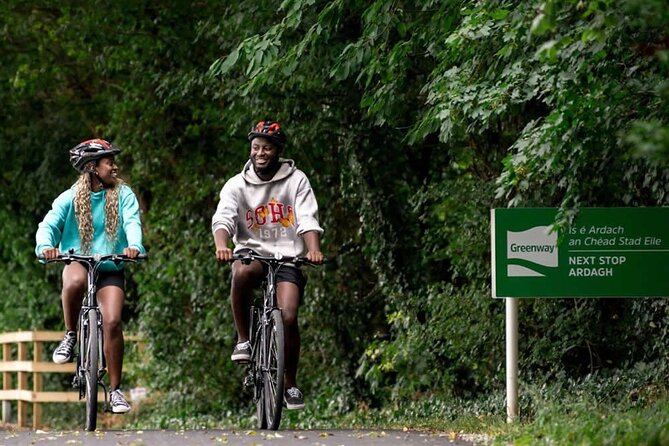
(591, 424)
(607, 411)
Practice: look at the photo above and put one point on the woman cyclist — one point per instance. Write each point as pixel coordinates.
(99, 214)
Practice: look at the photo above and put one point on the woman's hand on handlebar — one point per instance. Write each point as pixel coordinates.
(315, 257)
(50, 253)
(131, 253)
(223, 254)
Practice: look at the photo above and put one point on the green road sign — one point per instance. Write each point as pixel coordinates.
(607, 252)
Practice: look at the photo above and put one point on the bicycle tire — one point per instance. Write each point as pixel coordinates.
(256, 368)
(273, 373)
(91, 362)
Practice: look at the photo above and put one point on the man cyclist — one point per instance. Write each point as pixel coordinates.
(268, 208)
(99, 214)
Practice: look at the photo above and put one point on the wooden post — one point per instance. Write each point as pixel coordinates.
(6, 384)
(22, 412)
(37, 384)
(28, 386)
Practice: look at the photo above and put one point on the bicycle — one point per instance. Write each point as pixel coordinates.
(266, 368)
(91, 363)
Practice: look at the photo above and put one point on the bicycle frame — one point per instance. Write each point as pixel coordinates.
(266, 368)
(91, 363)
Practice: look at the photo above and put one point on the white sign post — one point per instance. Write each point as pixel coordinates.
(511, 359)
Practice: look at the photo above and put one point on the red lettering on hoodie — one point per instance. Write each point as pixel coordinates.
(276, 209)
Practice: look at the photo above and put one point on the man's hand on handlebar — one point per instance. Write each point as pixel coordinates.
(50, 253)
(315, 257)
(223, 254)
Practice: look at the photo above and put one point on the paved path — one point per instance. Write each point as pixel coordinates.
(231, 438)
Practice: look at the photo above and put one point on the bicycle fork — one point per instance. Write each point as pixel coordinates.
(78, 382)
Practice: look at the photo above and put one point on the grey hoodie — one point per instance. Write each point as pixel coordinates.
(268, 217)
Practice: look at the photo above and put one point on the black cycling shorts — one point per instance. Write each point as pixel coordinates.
(291, 274)
(111, 278)
(286, 273)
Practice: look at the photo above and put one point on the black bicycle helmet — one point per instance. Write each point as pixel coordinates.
(91, 150)
(270, 130)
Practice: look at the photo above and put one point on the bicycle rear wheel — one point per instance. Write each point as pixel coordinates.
(273, 373)
(90, 364)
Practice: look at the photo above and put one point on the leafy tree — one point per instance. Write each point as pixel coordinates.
(412, 120)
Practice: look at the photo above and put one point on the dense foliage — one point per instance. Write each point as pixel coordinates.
(412, 120)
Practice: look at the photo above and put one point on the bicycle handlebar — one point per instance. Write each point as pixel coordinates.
(249, 257)
(116, 258)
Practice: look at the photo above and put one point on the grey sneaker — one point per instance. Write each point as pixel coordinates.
(242, 352)
(118, 402)
(63, 352)
(293, 399)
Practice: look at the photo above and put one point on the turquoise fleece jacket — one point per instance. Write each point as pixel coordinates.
(59, 227)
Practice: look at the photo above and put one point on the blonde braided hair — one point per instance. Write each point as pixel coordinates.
(84, 213)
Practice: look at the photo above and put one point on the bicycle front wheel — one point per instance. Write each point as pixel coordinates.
(256, 367)
(90, 363)
(273, 373)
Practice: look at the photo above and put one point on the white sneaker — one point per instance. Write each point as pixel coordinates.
(293, 399)
(63, 352)
(118, 402)
(242, 352)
